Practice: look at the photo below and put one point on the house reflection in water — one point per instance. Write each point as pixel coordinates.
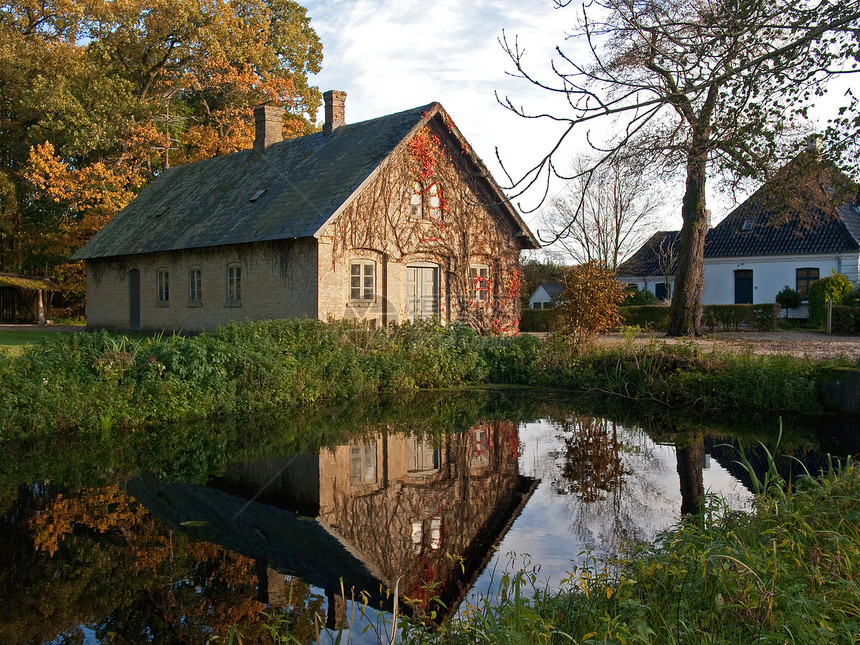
(404, 507)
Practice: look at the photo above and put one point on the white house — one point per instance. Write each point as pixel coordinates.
(546, 295)
(652, 267)
(758, 249)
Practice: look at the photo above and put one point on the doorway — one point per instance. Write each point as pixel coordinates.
(743, 287)
(422, 290)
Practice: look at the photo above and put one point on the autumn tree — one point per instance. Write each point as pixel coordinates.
(591, 298)
(698, 86)
(604, 213)
(99, 97)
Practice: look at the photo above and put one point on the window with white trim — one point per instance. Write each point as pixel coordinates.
(416, 200)
(234, 285)
(480, 277)
(195, 286)
(162, 281)
(362, 463)
(434, 199)
(362, 280)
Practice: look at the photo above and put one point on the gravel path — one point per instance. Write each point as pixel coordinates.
(811, 344)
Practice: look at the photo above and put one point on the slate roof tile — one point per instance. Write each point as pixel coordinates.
(305, 181)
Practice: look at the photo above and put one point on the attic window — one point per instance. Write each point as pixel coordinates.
(747, 225)
(257, 195)
(163, 210)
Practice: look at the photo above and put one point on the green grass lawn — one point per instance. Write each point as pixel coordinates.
(15, 340)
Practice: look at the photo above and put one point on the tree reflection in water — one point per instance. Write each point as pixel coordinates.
(592, 462)
(422, 498)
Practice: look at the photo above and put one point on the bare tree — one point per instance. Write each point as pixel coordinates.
(667, 258)
(602, 215)
(696, 83)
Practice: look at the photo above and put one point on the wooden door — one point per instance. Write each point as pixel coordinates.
(422, 292)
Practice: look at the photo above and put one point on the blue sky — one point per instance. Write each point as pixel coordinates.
(391, 55)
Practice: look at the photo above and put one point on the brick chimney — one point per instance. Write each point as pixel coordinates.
(268, 126)
(335, 111)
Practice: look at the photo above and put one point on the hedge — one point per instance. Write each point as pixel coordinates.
(538, 319)
(762, 317)
(645, 316)
(845, 320)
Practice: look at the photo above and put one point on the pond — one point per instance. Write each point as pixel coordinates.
(181, 534)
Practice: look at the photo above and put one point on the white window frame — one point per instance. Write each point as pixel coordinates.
(479, 274)
(162, 287)
(362, 281)
(416, 201)
(195, 286)
(234, 284)
(434, 200)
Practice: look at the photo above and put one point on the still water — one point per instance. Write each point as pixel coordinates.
(178, 536)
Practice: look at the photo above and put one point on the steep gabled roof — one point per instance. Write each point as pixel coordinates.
(652, 256)
(789, 216)
(553, 289)
(293, 190)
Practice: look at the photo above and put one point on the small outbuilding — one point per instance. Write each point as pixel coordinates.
(25, 298)
(546, 295)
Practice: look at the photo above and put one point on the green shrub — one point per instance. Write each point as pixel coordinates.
(765, 316)
(788, 298)
(653, 317)
(846, 320)
(834, 287)
(761, 317)
(852, 299)
(638, 298)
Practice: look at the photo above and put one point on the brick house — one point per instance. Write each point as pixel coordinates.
(386, 220)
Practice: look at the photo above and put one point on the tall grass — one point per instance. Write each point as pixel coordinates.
(100, 382)
(789, 572)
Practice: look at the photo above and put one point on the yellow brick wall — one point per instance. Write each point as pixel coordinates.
(278, 281)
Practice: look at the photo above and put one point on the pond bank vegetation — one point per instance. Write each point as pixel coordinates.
(785, 573)
(106, 383)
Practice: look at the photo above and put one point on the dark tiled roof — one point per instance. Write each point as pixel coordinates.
(778, 219)
(553, 289)
(306, 181)
(651, 258)
(770, 233)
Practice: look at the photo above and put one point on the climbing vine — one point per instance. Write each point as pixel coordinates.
(455, 226)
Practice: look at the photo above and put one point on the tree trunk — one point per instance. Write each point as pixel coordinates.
(685, 318)
(689, 455)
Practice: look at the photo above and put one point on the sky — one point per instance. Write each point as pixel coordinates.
(392, 55)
